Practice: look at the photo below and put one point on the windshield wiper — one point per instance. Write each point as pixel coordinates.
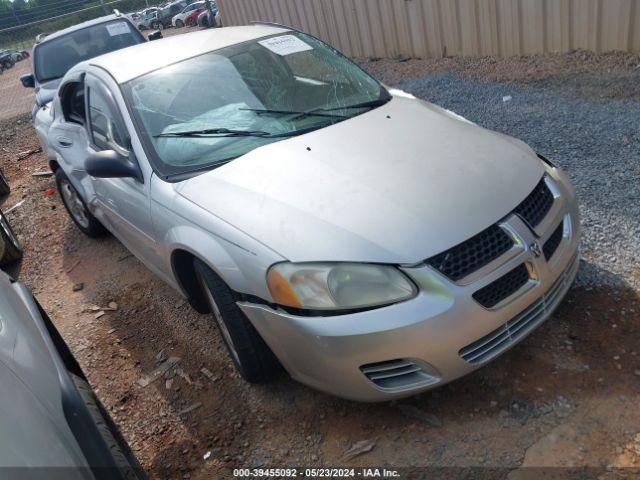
(221, 132)
(297, 113)
(369, 104)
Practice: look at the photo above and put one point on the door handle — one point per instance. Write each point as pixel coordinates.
(65, 142)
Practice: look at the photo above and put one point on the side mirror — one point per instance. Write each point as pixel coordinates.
(111, 164)
(157, 35)
(28, 80)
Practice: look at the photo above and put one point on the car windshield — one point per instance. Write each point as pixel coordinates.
(53, 58)
(209, 109)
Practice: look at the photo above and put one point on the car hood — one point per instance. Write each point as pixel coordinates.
(46, 91)
(397, 184)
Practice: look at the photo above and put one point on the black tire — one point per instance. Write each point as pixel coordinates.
(252, 357)
(10, 249)
(4, 185)
(179, 24)
(192, 23)
(126, 462)
(92, 227)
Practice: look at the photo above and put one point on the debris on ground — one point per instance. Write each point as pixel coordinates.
(161, 356)
(111, 330)
(417, 414)
(75, 264)
(28, 153)
(209, 374)
(158, 371)
(359, 448)
(99, 314)
(42, 174)
(78, 286)
(49, 192)
(190, 408)
(10, 209)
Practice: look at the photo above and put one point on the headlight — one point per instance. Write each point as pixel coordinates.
(337, 286)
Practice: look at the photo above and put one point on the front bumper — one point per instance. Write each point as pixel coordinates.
(438, 336)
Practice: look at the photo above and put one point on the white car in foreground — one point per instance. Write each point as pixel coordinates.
(372, 244)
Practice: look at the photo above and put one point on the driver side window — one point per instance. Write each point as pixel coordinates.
(105, 132)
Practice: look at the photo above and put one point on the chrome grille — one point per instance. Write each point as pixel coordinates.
(552, 243)
(473, 254)
(503, 337)
(398, 374)
(537, 204)
(490, 295)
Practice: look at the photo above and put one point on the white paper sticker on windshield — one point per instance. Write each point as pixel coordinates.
(120, 28)
(285, 45)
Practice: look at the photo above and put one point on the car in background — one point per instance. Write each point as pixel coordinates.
(146, 18)
(54, 54)
(186, 16)
(10, 248)
(165, 14)
(17, 56)
(7, 60)
(52, 422)
(206, 19)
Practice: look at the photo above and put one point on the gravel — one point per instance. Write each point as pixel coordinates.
(596, 140)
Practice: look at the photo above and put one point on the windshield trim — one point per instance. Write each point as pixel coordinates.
(134, 29)
(178, 176)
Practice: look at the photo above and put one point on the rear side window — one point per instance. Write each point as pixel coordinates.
(72, 102)
(105, 131)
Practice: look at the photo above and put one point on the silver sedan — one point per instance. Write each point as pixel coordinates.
(372, 244)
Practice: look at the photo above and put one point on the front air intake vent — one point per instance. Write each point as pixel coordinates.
(400, 374)
(553, 242)
(492, 294)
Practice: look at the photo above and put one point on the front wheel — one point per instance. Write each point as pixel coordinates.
(179, 24)
(253, 359)
(77, 209)
(191, 23)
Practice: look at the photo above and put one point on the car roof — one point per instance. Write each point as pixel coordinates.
(80, 26)
(137, 60)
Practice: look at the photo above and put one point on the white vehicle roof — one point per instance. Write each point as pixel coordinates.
(132, 62)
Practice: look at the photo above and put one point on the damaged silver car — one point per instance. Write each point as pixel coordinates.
(372, 244)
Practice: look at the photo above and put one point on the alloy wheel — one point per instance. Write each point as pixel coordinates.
(74, 203)
(219, 320)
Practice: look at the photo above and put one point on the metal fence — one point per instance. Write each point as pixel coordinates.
(435, 28)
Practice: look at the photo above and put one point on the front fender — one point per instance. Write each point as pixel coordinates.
(240, 260)
(207, 248)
